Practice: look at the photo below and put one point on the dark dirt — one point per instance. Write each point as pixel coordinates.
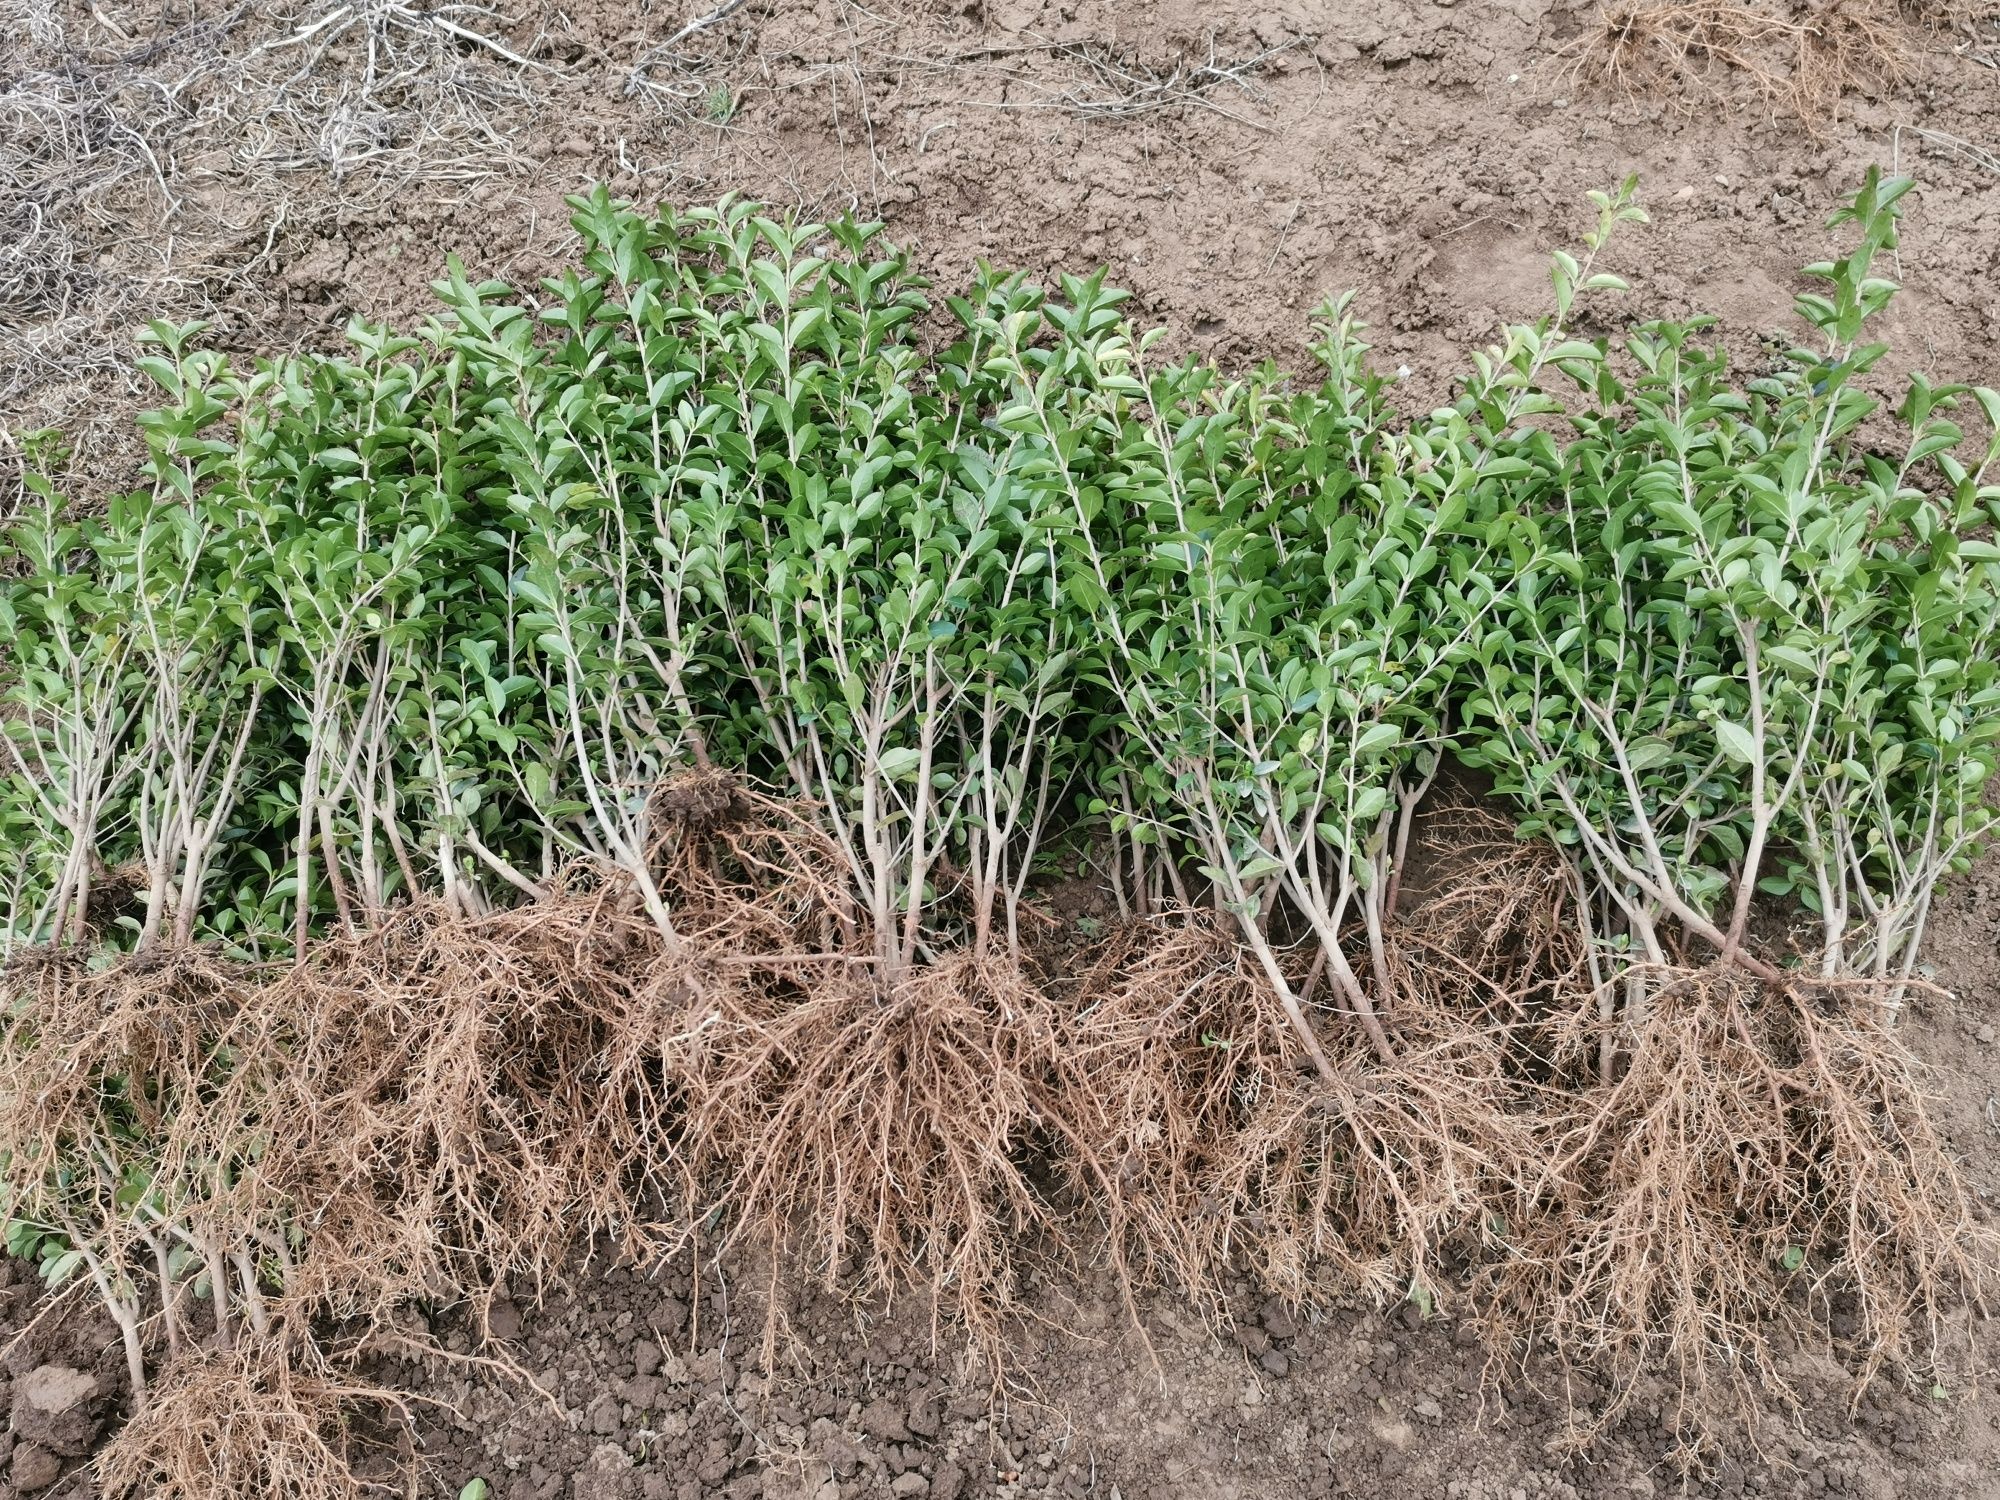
(62, 1382)
(1232, 163)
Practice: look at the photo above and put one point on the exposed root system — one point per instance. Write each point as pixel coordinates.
(1174, 1048)
(879, 1139)
(754, 879)
(445, 1123)
(1802, 59)
(1208, 1136)
(1760, 1170)
(1721, 1171)
(253, 1422)
(1498, 937)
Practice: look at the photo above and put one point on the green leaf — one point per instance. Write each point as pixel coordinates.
(1378, 739)
(1259, 867)
(1738, 743)
(899, 764)
(58, 1268)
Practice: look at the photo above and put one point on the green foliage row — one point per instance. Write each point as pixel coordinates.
(440, 613)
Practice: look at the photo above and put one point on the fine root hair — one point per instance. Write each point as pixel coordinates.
(1494, 935)
(877, 1139)
(1208, 1138)
(1798, 62)
(259, 1420)
(445, 1116)
(1759, 1173)
(1690, 1185)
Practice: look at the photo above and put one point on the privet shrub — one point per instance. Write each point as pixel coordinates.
(1751, 648)
(493, 615)
(438, 615)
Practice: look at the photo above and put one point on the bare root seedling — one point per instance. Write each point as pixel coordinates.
(1762, 1161)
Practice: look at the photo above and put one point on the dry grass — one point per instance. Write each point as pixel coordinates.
(85, 146)
(380, 96)
(1800, 59)
(153, 164)
(1953, 15)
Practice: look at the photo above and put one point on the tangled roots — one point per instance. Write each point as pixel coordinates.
(445, 1120)
(449, 1101)
(428, 1108)
(878, 1138)
(1801, 62)
(132, 1122)
(1205, 1132)
(1759, 1170)
(1398, 1176)
(419, 1111)
(1497, 943)
(1176, 1048)
(752, 876)
(252, 1422)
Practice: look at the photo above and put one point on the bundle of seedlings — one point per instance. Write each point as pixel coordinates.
(133, 1132)
(425, 1112)
(1289, 594)
(261, 1171)
(1751, 655)
(581, 771)
(226, 712)
(860, 609)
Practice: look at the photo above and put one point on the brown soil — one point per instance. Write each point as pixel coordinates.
(1232, 163)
